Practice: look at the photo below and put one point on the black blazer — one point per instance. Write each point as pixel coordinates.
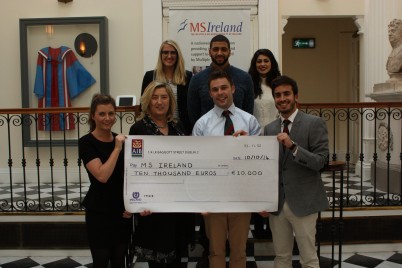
(181, 97)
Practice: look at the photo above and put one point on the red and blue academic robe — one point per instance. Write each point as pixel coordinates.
(60, 77)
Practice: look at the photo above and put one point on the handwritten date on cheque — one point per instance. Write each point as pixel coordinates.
(252, 157)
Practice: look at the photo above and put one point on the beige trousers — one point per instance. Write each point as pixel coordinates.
(232, 226)
(283, 227)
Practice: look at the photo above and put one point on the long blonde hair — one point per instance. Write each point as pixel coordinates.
(179, 75)
(147, 96)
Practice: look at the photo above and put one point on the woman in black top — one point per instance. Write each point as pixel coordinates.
(161, 238)
(101, 150)
(170, 69)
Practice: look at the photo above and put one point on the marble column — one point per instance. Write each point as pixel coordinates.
(268, 26)
(389, 138)
(375, 49)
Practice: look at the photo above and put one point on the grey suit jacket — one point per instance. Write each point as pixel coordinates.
(299, 177)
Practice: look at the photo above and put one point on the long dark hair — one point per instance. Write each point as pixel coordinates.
(271, 75)
(98, 99)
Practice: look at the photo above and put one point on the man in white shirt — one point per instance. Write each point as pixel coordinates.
(223, 226)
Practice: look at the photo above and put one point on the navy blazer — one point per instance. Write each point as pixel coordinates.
(181, 97)
(300, 180)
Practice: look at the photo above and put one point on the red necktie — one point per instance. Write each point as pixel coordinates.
(229, 128)
(286, 123)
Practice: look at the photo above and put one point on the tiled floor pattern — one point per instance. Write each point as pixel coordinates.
(356, 192)
(355, 260)
(43, 194)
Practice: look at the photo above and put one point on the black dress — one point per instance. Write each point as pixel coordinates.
(162, 237)
(104, 205)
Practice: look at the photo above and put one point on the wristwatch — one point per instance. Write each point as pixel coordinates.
(293, 146)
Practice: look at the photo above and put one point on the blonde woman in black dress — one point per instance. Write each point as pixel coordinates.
(161, 238)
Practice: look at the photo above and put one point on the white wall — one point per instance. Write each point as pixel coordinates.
(125, 42)
(321, 7)
(125, 67)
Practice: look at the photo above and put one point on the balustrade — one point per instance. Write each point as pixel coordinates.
(40, 170)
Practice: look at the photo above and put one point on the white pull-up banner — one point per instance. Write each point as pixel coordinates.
(194, 29)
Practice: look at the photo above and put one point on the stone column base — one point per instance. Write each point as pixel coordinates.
(382, 177)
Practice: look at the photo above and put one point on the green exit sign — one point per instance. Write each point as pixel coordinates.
(303, 43)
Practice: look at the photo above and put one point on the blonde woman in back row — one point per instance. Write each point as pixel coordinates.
(170, 69)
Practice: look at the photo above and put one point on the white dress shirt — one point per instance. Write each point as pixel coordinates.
(213, 122)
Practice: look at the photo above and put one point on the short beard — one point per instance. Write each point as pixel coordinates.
(220, 64)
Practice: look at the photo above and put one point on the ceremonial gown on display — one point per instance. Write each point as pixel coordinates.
(60, 77)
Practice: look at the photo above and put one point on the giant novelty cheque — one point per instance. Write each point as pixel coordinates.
(201, 174)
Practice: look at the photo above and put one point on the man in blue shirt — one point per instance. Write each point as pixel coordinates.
(198, 99)
(222, 226)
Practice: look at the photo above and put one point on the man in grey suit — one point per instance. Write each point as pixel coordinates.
(303, 153)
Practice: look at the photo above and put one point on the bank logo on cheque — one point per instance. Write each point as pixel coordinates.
(136, 197)
(137, 147)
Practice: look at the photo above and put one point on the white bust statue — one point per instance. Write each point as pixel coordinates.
(394, 63)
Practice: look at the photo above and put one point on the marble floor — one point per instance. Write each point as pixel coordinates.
(349, 260)
(259, 254)
(356, 193)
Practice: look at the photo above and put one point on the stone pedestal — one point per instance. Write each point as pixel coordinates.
(381, 170)
(391, 91)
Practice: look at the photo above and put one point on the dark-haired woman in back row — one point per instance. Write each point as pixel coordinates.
(263, 69)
